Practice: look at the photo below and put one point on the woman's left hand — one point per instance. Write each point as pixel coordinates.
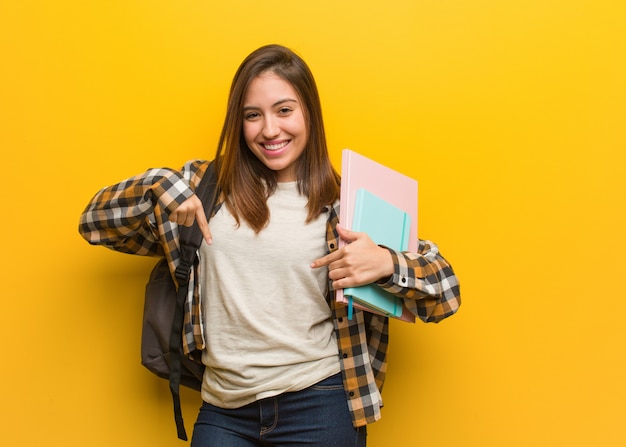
(357, 263)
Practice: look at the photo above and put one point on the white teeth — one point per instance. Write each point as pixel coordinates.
(275, 147)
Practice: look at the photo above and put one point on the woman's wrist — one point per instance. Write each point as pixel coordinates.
(387, 266)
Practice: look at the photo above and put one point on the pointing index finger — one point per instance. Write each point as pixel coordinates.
(204, 226)
(324, 261)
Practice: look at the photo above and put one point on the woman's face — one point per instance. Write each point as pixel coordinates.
(274, 126)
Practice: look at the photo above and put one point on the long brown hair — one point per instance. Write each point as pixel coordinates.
(246, 182)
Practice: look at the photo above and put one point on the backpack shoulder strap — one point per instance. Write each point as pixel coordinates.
(190, 241)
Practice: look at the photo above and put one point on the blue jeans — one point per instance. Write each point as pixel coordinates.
(316, 416)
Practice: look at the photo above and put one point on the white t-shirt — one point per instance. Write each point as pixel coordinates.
(268, 326)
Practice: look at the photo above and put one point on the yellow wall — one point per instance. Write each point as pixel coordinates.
(509, 113)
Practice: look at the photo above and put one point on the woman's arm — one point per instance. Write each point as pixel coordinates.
(132, 216)
(426, 281)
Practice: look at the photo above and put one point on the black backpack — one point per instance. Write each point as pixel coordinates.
(163, 315)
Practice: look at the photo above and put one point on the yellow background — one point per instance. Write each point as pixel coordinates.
(509, 113)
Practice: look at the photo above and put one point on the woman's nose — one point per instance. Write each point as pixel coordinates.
(270, 128)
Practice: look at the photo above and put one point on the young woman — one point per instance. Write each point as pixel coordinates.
(284, 364)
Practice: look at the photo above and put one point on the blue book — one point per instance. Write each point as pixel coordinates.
(386, 225)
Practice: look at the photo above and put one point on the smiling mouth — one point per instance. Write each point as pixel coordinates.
(275, 147)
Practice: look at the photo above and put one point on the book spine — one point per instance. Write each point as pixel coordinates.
(406, 231)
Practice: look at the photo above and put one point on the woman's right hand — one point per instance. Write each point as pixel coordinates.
(188, 212)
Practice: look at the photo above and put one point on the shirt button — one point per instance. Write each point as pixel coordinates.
(340, 320)
(345, 356)
(403, 280)
(332, 245)
(351, 393)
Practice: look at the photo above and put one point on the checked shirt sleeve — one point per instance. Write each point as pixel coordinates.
(131, 216)
(426, 282)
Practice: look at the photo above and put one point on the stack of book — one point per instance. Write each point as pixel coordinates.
(382, 203)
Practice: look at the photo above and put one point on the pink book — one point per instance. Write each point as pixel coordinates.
(359, 172)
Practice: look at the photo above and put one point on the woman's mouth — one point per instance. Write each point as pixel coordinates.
(275, 147)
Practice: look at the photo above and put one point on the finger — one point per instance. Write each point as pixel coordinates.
(180, 218)
(326, 260)
(189, 219)
(346, 235)
(335, 274)
(341, 283)
(204, 226)
(342, 280)
(173, 217)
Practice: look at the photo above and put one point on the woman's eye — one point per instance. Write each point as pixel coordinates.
(284, 111)
(251, 116)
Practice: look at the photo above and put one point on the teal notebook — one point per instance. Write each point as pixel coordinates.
(386, 225)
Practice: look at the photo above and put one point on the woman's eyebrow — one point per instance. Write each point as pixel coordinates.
(277, 103)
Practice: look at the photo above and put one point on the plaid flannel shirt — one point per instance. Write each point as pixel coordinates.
(132, 217)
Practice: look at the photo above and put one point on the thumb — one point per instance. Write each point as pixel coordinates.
(346, 235)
